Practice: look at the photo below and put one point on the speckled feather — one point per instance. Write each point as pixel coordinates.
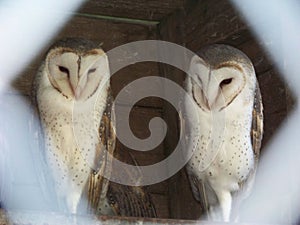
(223, 53)
(130, 201)
(76, 167)
(77, 45)
(98, 185)
(233, 167)
(71, 164)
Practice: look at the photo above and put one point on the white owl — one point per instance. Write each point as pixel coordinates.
(73, 77)
(74, 100)
(226, 141)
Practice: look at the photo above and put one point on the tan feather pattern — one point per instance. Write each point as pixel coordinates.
(98, 185)
(229, 179)
(257, 122)
(256, 138)
(124, 200)
(256, 134)
(197, 185)
(130, 201)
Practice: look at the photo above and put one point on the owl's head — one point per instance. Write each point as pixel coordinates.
(220, 73)
(76, 67)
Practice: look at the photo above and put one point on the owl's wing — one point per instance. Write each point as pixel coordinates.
(130, 201)
(98, 184)
(257, 123)
(256, 138)
(187, 118)
(124, 200)
(256, 133)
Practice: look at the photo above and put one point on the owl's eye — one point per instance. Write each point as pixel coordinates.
(64, 70)
(225, 82)
(91, 71)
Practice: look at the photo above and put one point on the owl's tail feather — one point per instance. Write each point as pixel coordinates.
(98, 184)
(97, 190)
(130, 201)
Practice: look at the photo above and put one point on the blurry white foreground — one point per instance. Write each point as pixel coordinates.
(27, 25)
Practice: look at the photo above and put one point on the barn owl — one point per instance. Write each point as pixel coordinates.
(226, 140)
(76, 72)
(73, 96)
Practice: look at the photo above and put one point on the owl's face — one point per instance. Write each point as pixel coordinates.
(216, 82)
(76, 75)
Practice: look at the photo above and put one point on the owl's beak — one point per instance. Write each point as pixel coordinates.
(206, 103)
(78, 90)
(201, 98)
(211, 94)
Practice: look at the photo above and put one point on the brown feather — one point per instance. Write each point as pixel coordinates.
(256, 130)
(130, 201)
(256, 138)
(257, 123)
(256, 133)
(98, 185)
(124, 200)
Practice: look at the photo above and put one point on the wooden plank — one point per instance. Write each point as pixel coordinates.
(121, 81)
(52, 218)
(273, 92)
(290, 98)
(136, 9)
(161, 205)
(139, 123)
(238, 39)
(260, 59)
(172, 29)
(211, 21)
(186, 207)
(111, 35)
(245, 41)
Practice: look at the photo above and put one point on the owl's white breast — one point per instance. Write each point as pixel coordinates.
(71, 133)
(222, 150)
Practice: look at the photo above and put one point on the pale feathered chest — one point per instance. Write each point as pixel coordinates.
(222, 144)
(71, 131)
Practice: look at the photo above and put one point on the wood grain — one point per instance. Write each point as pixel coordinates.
(136, 9)
(211, 21)
(181, 202)
(139, 122)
